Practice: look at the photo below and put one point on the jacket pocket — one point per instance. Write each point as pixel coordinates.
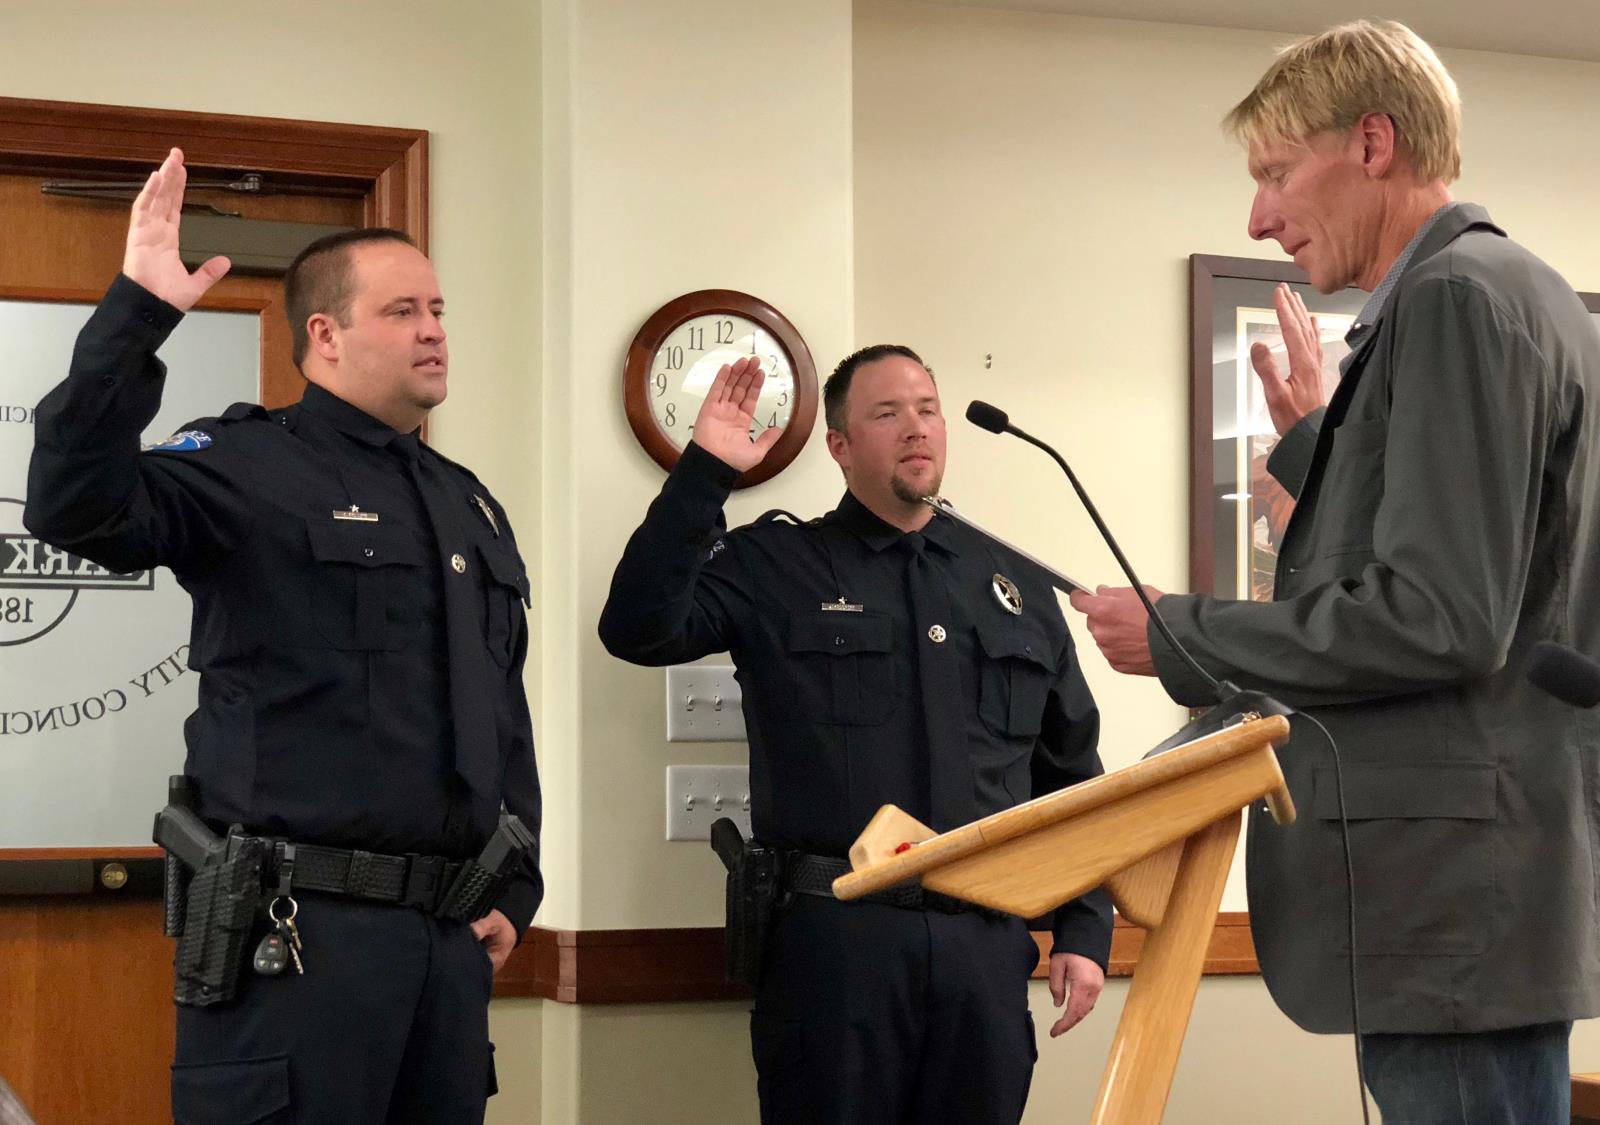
(242, 1092)
(1422, 844)
(362, 577)
(1352, 487)
(1018, 668)
(845, 662)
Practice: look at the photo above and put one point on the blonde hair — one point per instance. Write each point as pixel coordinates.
(1328, 82)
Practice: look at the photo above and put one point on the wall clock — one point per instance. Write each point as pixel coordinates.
(678, 351)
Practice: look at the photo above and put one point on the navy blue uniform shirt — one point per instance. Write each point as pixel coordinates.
(832, 656)
(330, 706)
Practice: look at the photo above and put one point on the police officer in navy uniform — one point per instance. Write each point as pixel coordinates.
(887, 656)
(359, 634)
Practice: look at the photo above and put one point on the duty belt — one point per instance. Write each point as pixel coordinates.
(421, 881)
(814, 875)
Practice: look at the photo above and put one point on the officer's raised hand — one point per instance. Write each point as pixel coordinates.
(151, 257)
(723, 425)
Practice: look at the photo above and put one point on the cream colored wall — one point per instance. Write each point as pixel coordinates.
(689, 144)
(708, 146)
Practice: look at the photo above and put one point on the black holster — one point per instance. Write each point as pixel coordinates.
(224, 901)
(754, 894)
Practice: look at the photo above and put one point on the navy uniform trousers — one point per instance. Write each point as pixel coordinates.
(389, 1025)
(873, 1014)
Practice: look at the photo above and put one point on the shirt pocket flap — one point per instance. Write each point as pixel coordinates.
(1453, 790)
(1019, 639)
(839, 634)
(230, 1093)
(363, 544)
(507, 570)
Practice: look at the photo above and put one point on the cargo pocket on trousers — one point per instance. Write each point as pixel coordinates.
(778, 1046)
(242, 1092)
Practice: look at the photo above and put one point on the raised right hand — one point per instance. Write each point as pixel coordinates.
(1291, 397)
(722, 427)
(151, 256)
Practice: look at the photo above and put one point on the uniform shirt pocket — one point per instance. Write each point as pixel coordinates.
(505, 591)
(844, 662)
(363, 574)
(1017, 667)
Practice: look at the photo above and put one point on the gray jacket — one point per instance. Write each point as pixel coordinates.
(1447, 514)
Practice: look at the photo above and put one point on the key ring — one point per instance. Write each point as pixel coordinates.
(294, 908)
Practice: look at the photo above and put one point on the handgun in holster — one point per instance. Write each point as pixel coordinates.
(754, 893)
(221, 905)
(478, 886)
(175, 874)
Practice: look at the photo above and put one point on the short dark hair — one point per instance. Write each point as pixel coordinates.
(320, 280)
(837, 388)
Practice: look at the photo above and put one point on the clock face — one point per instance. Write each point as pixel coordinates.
(688, 359)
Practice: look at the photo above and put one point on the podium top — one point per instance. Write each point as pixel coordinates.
(882, 859)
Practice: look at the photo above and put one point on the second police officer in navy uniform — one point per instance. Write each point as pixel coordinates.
(887, 656)
(359, 634)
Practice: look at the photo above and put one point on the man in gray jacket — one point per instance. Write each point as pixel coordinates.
(1448, 498)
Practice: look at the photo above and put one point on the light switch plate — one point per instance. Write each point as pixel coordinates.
(704, 704)
(700, 795)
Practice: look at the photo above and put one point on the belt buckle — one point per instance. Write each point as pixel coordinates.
(423, 876)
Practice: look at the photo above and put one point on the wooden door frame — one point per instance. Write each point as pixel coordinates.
(387, 168)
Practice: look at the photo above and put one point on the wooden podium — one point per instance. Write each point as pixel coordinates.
(1159, 836)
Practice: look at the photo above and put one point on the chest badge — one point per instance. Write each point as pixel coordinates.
(1007, 594)
(842, 606)
(357, 514)
(488, 513)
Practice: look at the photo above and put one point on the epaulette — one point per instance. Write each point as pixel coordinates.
(242, 410)
(453, 464)
(779, 514)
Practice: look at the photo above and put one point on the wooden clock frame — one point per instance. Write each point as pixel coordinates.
(665, 321)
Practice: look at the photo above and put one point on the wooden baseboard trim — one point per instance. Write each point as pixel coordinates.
(658, 966)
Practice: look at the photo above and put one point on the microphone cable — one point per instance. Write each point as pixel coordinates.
(1350, 905)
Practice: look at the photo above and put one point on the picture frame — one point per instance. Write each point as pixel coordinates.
(1236, 510)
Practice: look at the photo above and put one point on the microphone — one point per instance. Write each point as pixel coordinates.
(1565, 673)
(1232, 702)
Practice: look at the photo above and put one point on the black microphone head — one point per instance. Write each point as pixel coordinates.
(987, 417)
(1568, 675)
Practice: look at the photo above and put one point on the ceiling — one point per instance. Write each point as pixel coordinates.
(1559, 29)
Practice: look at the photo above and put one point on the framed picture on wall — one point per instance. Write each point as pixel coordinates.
(1237, 511)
